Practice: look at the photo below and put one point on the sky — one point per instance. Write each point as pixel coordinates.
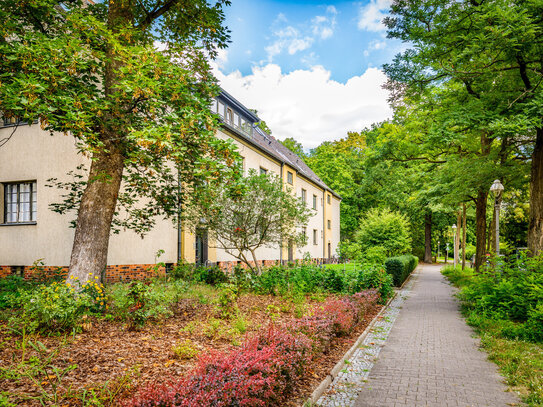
(311, 69)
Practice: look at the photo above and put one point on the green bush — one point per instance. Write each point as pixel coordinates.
(385, 228)
(11, 287)
(54, 307)
(375, 255)
(400, 267)
(139, 301)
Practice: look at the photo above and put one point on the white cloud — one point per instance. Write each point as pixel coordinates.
(372, 15)
(289, 39)
(323, 26)
(307, 104)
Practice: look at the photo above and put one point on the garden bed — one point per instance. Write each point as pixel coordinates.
(114, 361)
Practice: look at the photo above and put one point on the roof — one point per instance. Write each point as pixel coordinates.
(274, 148)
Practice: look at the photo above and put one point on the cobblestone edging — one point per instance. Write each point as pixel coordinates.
(345, 381)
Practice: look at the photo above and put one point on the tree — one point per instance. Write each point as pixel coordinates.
(294, 146)
(252, 213)
(130, 81)
(384, 228)
(492, 52)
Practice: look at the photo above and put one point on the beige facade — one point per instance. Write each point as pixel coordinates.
(32, 156)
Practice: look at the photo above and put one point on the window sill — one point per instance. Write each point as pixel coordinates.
(19, 224)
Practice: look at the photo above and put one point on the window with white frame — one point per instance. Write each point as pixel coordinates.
(304, 196)
(20, 202)
(314, 201)
(315, 237)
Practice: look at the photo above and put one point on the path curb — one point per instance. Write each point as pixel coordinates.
(321, 388)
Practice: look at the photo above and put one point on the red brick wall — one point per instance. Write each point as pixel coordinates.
(113, 273)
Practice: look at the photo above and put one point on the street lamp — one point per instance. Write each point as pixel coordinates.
(455, 245)
(438, 251)
(497, 189)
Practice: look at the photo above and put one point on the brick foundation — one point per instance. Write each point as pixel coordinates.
(127, 272)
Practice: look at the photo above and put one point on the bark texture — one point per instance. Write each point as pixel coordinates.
(98, 202)
(428, 237)
(535, 229)
(480, 228)
(463, 236)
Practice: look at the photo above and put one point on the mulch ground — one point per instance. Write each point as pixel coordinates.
(113, 361)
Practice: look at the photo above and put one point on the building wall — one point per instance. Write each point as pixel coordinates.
(32, 154)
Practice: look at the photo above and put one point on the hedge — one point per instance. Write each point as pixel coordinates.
(400, 267)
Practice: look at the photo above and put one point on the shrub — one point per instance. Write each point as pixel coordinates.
(12, 287)
(385, 228)
(400, 267)
(375, 255)
(185, 349)
(342, 313)
(54, 307)
(258, 374)
(376, 278)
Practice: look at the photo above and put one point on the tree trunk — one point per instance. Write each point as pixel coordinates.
(480, 228)
(428, 237)
(463, 236)
(458, 232)
(535, 229)
(98, 202)
(91, 241)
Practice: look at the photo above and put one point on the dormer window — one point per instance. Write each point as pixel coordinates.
(229, 116)
(221, 109)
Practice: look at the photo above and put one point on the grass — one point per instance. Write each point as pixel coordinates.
(344, 266)
(521, 362)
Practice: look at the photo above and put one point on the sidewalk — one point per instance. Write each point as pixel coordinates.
(430, 357)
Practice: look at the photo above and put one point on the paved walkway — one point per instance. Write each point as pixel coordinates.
(429, 358)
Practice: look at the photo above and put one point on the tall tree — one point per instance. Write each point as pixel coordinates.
(493, 50)
(131, 82)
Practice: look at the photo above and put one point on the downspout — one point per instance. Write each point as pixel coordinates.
(281, 244)
(323, 224)
(179, 226)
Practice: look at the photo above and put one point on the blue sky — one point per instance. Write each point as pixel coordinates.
(301, 34)
(312, 69)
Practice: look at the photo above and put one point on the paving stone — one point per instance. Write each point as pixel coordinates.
(421, 353)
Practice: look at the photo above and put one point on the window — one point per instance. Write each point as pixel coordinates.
(304, 195)
(329, 222)
(315, 236)
(243, 165)
(263, 171)
(315, 202)
(214, 105)
(221, 108)
(20, 201)
(290, 177)
(304, 231)
(328, 199)
(236, 120)
(13, 121)
(229, 116)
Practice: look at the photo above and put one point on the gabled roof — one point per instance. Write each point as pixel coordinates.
(272, 146)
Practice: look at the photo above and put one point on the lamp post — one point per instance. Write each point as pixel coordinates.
(438, 251)
(497, 189)
(455, 246)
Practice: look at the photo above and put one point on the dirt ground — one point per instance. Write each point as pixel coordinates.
(113, 361)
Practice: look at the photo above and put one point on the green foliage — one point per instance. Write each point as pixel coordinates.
(309, 279)
(227, 301)
(401, 267)
(375, 255)
(55, 307)
(140, 301)
(252, 213)
(12, 287)
(515, 345)
(294, 146)
(384, 228)
(185, 349)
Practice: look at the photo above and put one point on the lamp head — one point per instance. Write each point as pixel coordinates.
(454, 226)
(496, 187)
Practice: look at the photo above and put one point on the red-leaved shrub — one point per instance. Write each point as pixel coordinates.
(343, 313)
(258, 374)
(266, 367)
